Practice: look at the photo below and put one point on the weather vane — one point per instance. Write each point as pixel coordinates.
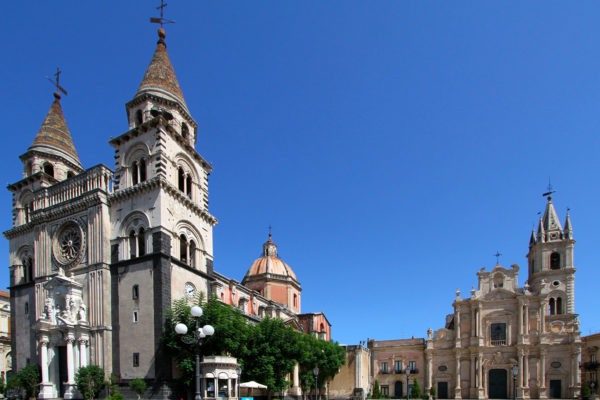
(161, 20)
(550, 190)
(56, 81)
(497, 255)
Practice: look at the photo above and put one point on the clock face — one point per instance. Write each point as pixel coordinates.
(190, 290)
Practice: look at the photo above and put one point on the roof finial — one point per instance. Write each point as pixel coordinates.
(550, 191)
(162, 21)
(498, 254)
(270, 227)
(56, 82)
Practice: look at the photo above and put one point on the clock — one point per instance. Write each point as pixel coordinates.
(190, 290)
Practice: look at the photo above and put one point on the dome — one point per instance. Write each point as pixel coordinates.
(269, 263)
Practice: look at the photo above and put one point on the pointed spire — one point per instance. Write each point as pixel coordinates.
(160, 76)
(541, 233)
(568, 228)
(532, 238)
(551, 222)
(54, 136)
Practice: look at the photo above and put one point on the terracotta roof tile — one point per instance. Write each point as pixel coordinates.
(54, 132)
(160, 75)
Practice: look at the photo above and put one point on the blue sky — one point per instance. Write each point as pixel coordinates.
(393, 146)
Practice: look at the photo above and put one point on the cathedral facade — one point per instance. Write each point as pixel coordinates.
(503, 341)
(97, 256)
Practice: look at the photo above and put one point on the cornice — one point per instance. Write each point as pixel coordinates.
(51, 156)
(162, 183)
(154, 123)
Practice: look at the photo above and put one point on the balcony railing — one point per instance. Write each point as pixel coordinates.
(500, 342)
(590, 365)
(98, 177)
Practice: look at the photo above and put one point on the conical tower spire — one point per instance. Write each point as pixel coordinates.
(541, 233)
(532, 238)
(160, 78)
(568, 232)
(54, 136)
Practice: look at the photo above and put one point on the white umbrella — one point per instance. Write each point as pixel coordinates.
(253, 385)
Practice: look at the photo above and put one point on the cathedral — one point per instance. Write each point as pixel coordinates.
(503, 341)
(98, 255)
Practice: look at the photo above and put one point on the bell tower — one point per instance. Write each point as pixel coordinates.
(551, 269)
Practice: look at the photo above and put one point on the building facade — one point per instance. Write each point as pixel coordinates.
(501, 328)
(97, 256)
(5, 335)
(589, 361)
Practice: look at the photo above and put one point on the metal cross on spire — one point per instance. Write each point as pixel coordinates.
(270, 227)
(56, 81)
(550, 189)
(162, 21)
(497, 255)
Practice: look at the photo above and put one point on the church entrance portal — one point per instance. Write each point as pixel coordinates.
(442, 390)
(498, 384)
(555, 389)
(62, 369)
(398, 390)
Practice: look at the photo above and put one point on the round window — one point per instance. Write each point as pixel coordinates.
(556, 364)
(68, 244)
(442, 368)
(556, 283)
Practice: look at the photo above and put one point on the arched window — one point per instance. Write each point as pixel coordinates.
(554, 261)
(132, 244)
(142, 167)
(322, 328)
(141, 242)
(49, 169)
(295, 300)
(188, 186)
(192, 254)
(184, 130)
(70, 174)
(181, 177)
(134, 173)
(551, 307)
(135, 292)
(27, 269)
(26, 308)
(559, 306)
(183, 245)
(139, 117)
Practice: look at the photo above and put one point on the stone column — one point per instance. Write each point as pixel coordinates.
(473, 372)
(543, 311)
(45, 385)
(542, 374)
(83, 362)
(70, 387)
(570, 300)
(526, 320)
(457, 388)
(479, 371)
(457, 326)
(520, 325)
(429, 371)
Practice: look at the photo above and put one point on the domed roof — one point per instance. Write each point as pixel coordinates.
(269, 263)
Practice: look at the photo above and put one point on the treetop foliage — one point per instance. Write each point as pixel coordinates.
(267, 351)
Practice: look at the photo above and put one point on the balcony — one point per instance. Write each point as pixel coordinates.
(590, 365)
(500, 342)
(413, 371)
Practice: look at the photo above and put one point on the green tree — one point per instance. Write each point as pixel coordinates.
(376, 394)
(432, 392)
(272, 354)
(313, 352)
(231, 333)
(416, 390)
(585, 390)
(138, 386)
(89, 381)
(28, 378)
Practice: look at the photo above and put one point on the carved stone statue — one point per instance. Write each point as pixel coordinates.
(82, 313)
(49, 312)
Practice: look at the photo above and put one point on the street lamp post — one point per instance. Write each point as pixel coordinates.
(316, 372)
(407, 372)
(239, 374)
(199, 334)
(515, 372)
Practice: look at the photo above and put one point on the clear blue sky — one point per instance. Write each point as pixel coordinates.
(393, 146)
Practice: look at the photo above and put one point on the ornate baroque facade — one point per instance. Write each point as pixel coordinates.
(97, 256)
(501, 325)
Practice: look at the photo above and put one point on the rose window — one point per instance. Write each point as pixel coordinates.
(68, 244)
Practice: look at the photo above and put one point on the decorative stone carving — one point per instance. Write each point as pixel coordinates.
(68, 244)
